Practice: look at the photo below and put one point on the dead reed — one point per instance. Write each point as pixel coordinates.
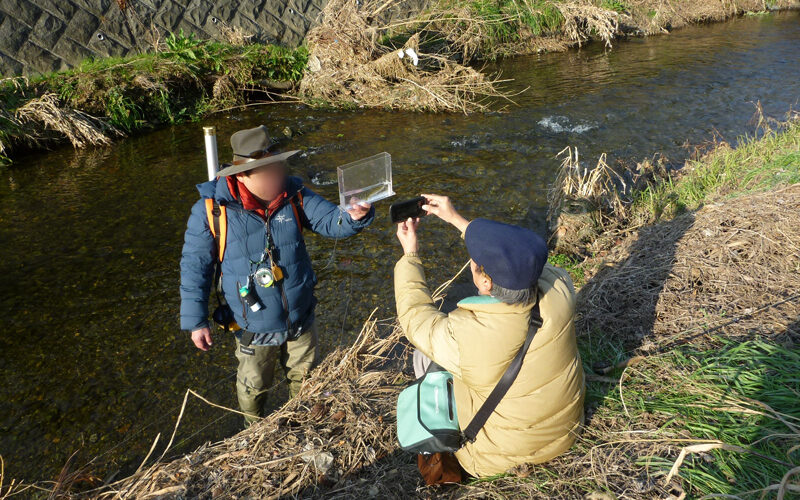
(583, 22)
(587, 206)
(81, 129)
(349, 67)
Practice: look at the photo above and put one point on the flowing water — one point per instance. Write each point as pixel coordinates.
(91, 357)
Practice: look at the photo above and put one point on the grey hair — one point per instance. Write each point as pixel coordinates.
(524, 297)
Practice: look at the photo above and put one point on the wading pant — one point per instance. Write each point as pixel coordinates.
(255, 373)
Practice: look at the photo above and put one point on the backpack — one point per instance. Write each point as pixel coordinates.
(218, 221)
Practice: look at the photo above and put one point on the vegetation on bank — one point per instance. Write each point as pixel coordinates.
(353, 63)
(591, 208)
(757, 163)
(487, 29)
(184, 80)
(689, 324)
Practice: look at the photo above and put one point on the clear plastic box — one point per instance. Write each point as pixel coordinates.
(367, 180)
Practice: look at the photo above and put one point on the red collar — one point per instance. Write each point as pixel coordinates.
(250, 201)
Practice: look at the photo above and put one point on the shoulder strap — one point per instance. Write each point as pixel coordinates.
(218, 224)
(500, 390)
(299, 214)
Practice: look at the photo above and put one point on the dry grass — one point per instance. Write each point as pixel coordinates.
(652, 17)
(583, 22)
(591, 209)
(735, 264)
(340, 422)
(185, 79)
(80, 128)
(589, 205)
(347, 66)
(479, 29)
(234, 35)
(476, 29)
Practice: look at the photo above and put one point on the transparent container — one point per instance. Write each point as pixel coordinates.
(367, 180)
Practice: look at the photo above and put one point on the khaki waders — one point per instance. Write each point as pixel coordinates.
(255, 373)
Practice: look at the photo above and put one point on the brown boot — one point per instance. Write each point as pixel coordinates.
(440, 468)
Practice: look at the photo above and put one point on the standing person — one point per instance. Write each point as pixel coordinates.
(266, 273)
(542, 412)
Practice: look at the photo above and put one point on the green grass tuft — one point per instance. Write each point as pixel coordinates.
(756, 164)
(720, 395)
(614, 5)
(570, 264)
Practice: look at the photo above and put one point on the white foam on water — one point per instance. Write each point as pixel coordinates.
(322, 179)
(560, 124)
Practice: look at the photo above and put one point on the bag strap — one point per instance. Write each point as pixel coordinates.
(500, 390)
(280, 283)
(218, 224)
(299, 212)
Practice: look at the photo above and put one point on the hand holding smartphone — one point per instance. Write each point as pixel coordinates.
(403, 210)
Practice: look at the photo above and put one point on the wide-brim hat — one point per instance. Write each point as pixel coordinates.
(253, 148)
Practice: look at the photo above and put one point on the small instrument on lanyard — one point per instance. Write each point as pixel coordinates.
(268, 276)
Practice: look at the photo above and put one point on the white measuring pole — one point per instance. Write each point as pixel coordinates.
(212, 161)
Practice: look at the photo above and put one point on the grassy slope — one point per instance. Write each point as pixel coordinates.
(758, 163)
(740, 394)
(683, 397)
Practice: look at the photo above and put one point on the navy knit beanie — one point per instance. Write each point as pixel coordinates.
(511, 255)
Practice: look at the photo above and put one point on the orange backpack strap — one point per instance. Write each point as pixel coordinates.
(298, 211)
(210, 215)
(218, 224)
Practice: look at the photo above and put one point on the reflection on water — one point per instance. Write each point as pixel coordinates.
(91, 357)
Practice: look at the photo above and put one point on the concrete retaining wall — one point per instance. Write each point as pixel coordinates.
(38, 36)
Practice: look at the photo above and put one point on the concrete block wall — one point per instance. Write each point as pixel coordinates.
(38, 36)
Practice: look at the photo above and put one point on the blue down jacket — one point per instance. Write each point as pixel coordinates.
(246, 241)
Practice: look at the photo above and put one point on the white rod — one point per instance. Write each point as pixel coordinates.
(212, 160)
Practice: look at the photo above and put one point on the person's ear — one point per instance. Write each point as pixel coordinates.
(486, 283)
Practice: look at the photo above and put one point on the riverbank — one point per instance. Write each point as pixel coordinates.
(188, 79)
(185, 80)
(704, 294)
(478, 29)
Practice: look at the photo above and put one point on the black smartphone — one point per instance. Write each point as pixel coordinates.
(402, 210)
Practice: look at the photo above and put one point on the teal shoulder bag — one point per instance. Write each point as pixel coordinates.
(427, 421)
(426, 415)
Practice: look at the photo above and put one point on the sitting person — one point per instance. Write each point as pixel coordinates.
(542, 413)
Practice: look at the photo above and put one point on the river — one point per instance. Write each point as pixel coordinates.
(91, 358)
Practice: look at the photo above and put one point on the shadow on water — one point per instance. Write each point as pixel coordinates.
(91, 356)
